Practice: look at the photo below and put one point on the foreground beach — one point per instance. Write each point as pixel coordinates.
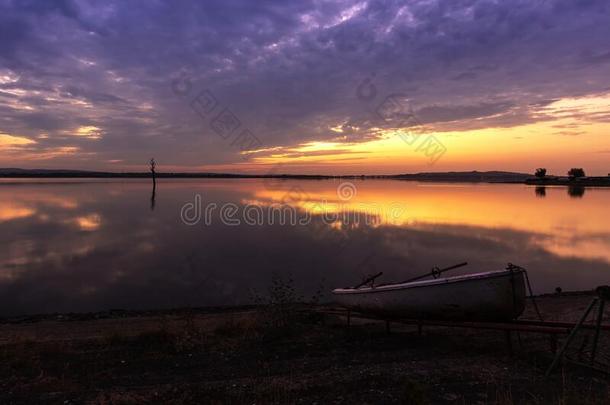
(225, 356)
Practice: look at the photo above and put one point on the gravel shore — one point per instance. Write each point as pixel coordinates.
(285, 355)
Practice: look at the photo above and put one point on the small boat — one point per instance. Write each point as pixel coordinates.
(488, 296)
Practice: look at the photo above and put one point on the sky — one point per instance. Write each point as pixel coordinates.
(329, 87)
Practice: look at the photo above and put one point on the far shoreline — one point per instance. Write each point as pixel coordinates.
(499, 177)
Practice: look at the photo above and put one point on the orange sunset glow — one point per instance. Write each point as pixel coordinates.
(305, 202)
(516, 148)
(469, 116)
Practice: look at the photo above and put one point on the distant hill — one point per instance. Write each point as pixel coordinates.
(11, 170)
(473, 176)
(53, 173)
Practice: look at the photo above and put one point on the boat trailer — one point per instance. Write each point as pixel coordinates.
(551, 328)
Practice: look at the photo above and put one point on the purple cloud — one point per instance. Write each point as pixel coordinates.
(287, 70)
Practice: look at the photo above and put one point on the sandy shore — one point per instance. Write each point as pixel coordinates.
(282, 355)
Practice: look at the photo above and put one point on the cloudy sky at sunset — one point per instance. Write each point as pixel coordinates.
(306, 86)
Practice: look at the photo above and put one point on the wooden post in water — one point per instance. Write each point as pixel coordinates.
(153, 164)
(153, 195)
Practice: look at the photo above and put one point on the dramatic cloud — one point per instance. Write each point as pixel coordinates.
(89, 83)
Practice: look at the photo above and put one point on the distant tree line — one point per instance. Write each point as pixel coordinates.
(576, 173)
(573, 173)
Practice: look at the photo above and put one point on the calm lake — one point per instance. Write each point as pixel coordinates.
(90, 245)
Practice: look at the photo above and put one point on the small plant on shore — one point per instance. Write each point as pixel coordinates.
(279, 304)
(282, 307)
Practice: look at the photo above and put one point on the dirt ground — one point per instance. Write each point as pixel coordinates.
(283, 355)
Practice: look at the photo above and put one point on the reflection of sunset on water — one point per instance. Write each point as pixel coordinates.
(556, 223)
(89, 222)
(484, 205)
(9, 211)
(97, 243)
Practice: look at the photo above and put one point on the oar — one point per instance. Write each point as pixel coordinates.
(435, 272)
(368, 280)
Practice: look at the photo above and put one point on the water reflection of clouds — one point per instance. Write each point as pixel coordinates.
(10, 211)
(569, 244)
(125, 256)
(559, 226)
(89, 222)
(17, 205)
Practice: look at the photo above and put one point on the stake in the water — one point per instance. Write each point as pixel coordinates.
(153, 195)
(153, 165)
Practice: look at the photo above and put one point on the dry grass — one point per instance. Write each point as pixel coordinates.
(280, 356)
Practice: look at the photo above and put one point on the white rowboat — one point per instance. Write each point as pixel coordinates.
(489, 296)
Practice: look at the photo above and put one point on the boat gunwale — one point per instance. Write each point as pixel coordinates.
(428, 283)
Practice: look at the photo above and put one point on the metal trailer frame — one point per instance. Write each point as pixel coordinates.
(550, 328)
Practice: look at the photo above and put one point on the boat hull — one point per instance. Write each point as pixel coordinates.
(491, 296)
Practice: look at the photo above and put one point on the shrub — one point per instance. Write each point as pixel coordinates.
(278, 306)
(576, 172)
(540, 173)
(281, 309)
